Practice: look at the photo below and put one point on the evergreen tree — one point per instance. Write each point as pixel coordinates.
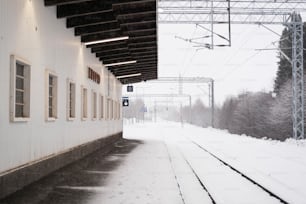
(281, 114)
(284, 71)
(247, 114)
(226, 113)
(201, 115)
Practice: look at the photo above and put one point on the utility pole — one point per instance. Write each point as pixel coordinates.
(180, 85)
(296, 26)
(190, 110)
(155, 111)
(181, 115)
(212, 104)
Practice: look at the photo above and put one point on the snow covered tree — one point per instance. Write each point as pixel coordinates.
(201, 115)
(284, 71)
(250, 115)
(226, 113)
(246, 114)
(281, 113)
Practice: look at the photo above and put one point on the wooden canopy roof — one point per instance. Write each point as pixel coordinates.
(96, 20)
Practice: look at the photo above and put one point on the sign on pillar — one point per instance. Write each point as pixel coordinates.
(129, 88)
(125, 101)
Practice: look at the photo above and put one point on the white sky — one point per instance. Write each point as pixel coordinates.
(235, 69)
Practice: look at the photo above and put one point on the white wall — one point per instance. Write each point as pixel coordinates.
(31, 31)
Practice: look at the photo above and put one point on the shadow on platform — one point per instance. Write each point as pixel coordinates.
(77, 182)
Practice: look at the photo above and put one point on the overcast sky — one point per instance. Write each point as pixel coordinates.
(235, 69)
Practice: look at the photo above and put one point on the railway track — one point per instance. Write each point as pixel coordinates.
(205, 188)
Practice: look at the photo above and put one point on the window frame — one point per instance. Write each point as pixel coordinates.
(119, 110)
(101, 110)
(54, 116)
(71, 100)
(111, 109)
(115, 109)
(26, 91)
(84, 103)
(107, 109)
(94, 105)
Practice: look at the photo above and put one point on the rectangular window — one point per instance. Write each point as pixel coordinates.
(51, 96)
(101, 107)
(119, 110)
(107, 109)
(115, 110)
(20, 90)
(94, 105)
(118, 113)
(84, 103)
(19, 99)
(111, 109)
(71, 92)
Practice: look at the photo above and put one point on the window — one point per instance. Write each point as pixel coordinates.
(51, 107)
(101, 107)
(108, 109)
(115, 110)
(94, 105)
(71, 91)
(20, 90)
(84, 103)
(111, 109)
(119, 110)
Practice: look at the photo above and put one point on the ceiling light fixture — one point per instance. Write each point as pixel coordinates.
(107, 40)
(121, 63)
(128, 75)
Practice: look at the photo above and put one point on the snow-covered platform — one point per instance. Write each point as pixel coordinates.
(167, 163)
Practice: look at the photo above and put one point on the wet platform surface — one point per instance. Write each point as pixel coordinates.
(134, 172)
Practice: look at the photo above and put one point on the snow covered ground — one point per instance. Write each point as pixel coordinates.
(280, 167)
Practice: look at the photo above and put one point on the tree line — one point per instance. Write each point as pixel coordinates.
(262, 114)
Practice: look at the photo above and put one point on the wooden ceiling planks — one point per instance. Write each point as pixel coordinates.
(95, 20)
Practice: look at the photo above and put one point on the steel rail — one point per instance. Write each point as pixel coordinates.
(239, 172)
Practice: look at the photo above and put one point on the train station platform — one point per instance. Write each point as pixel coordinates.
(133, 172)
(172, 163)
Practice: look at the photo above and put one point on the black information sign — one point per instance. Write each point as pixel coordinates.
(125, 101)
(129, 88)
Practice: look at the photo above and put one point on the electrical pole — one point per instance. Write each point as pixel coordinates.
(212, 104)
(181, 115)
(190, 110)
(155, 111)
(296, 26)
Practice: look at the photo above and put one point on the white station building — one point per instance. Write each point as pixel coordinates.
(59, 102)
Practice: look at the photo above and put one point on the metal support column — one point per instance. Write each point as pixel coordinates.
(296, 25)
(190, 110)
(155, 111)
(212, 104)
(180, 85)
(212, 24)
